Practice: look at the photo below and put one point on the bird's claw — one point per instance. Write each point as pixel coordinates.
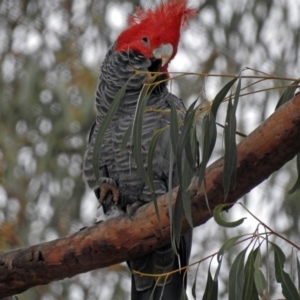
(131, 208)
(108, 185)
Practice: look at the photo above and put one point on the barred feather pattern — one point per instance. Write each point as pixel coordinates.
(116, 69)
(120, 166)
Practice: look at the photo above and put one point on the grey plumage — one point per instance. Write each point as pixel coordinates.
(116, 69)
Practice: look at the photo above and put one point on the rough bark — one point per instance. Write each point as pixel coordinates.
(264, 151)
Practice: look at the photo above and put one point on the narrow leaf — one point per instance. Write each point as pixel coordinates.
(260, 281)
(186, 180)
(228, 245)
(137, 144)
(220, 221)
(220, 97)
(259, 278)
(184, 173)
(209, 139)
(237, 277)
(174, 130)
(103, 127)
(298, 272)
(126, 138)
(249, 292)
(176, 216)
(170, 207)
(211, 288)
(194, 284)
(288, 94)
(177, 220)
(296, 186)
(191, 144)
(137, 134)
(187, 170)
(151, 151)
(289, 290)
(230, 156)
(184, 138)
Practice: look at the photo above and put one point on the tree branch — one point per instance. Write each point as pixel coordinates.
(264, 151)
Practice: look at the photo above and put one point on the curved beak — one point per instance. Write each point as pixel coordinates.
(161, 56)
(164, 52)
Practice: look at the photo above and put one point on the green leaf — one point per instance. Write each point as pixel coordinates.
(103, 127)
(187, 170)
(174, 128)
(249, 291)
(259, 278)
(183, 138)
(137, 144)
(230, 156)
(237, 277)
(126, 138)
(220, 221)
(184, 295)
(209, 139)
(211, 288)
(177, 220)
(289, 290)
(298, 272)
(191, 145)
(220, 97)
(228, 245)
(170, 206)
(194, 284)
(186, 197)
(176, 216)
(137, 134)
(258, 260)
(185, 174)
(218, 269)
(296, 186)
(151, 151)
(260, 281)
(288, 94)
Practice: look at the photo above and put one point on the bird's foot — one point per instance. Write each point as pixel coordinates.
(108, 185)
(131, 208)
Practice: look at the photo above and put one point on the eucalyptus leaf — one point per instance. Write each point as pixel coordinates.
(194, 283)
(296, 186)
(126, 138)
(259, 278)
(288, 94)
(237, 277)
(260, 281)
(230, 156)
(298, 271)
(220, 97)
(228, 245)
(209, 139)
(177, 220)
(137, 142)
(103, 127)
(220, 221)
(174, 128)
(186, 197)
(211, 288)
(250, 292)
(170, 206)
(289, 290)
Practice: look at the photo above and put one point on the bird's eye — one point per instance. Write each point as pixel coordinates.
(145, 40)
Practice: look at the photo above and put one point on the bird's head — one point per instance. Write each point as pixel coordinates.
(155, 33)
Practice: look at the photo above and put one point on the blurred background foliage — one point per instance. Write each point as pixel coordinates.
(50, 55)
